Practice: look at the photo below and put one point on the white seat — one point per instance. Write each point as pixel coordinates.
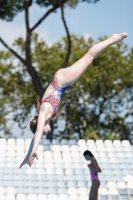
(118, 149)
(83, 197)
(65, 148)
(82, 190)
(21, 197)
(73, 197)
(77, 165)
(19, 141)
(2, 197)
(10, 197)
(127, 148)
(125, 143)
(90, 142)
(100, 148)
(129, 155)
(108, 143)
(59, 171)
(111, 184)
(121, 184)
(113, 191)
(41, 196)
(66, 154)
(81, 142)
(72, 190)
(110, 149)
(62, 196)
(3, 141)
(82, 149)
(49, 166)
(128, 178)
(47, 153)
(55, 147)
(50, 171)
(103, 191)
(57, 154)
(2, 190)
(116, 143)
(113, 160)
(68, 171)
(74, 148)
(11, 141)
(52, 196)
(31, 196)
(130, 185)
(58, 159)
(99, 143)
(27, 142)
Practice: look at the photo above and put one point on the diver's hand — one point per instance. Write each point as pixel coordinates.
(25, 161)
(33, 155)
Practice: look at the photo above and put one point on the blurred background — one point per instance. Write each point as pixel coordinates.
(38, 37)
(35, 42)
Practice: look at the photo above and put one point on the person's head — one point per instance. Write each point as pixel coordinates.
(88, 155)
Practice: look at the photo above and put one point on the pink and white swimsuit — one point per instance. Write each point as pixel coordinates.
(55, 97)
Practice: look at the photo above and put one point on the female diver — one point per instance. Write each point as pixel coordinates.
(94, 169)
(61, 81)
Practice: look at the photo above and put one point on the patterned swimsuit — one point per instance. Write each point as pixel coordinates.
(55, 97)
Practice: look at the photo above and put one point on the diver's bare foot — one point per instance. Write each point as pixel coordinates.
(118, 37)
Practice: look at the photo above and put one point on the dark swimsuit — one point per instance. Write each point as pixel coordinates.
(55, 97)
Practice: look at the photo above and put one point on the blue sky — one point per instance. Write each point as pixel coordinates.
(103, 18)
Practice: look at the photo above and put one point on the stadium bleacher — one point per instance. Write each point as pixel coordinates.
(61, 171)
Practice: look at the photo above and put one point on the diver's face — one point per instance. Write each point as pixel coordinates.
(87, 157)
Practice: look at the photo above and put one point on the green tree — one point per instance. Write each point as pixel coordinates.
(10, 8)
(99, 105)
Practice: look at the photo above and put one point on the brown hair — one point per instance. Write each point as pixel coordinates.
(33, 123)
(38, 102)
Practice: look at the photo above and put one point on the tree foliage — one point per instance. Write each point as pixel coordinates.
(99, 105)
